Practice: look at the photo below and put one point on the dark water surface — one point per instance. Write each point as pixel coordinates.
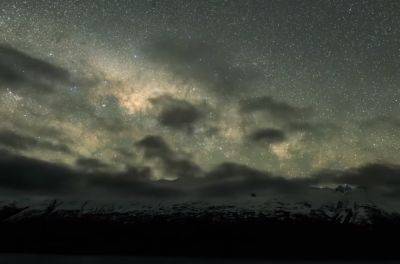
(78, 259)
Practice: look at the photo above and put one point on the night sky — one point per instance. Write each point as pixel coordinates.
(177, 99)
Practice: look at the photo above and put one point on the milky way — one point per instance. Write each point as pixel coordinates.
(177, 91)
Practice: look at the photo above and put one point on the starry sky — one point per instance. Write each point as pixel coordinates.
(206, 98)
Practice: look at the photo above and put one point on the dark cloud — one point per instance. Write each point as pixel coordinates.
(300, 127)
(268, 135)
(125, 153)
(228, 180)
(21, 71)
(155, 147)
(378, 181)
(277, 110)
(382, 122)
(381, 179)
(109, 114)
(105, 113)
(134, 182)
(314, 130)
(182, 168)
(177, 114)
(230, 170)
(16, 141)
(204, 63)
(232, 179)
(290, 118)
(90, 163)
(32, 176)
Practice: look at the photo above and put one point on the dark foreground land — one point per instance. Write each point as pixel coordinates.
(217, 232)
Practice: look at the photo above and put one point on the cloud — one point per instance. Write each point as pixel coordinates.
(34, 176)
(230, 170)
(21, 71)
(16, 141)
(314, 130)
(232, 180)
(51, 95)
(382, 123)
(109, 114)
(204, 63)
(90, 164)
(155, 148)
(229, 180)
(176, 113)
(279, 111)
(133, 182)
(300, 127)
(125, 152)
(40, 79)
(289, 118)
(268, 135)
(30, 176)
(381, 179)
(182, 168)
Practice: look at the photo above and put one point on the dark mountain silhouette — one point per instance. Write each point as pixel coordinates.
(341, 229)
